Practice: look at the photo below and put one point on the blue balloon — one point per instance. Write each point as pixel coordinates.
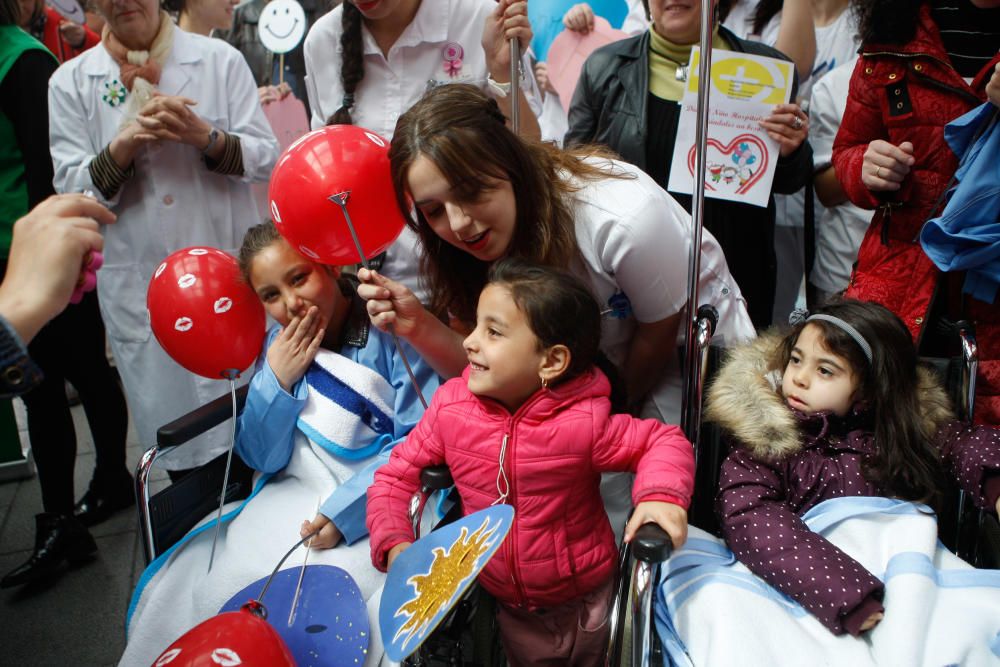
(331, 619)
(429, 578)
(546, 19)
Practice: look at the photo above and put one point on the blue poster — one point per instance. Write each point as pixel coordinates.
(429, 578)
(330, 626)
(546, 19)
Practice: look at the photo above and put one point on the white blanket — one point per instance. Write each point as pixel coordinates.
(176, 592)
(711, 610)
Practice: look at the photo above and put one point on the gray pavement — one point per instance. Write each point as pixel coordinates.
(78, 619)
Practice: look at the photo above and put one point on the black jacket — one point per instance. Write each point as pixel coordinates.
(610, 107)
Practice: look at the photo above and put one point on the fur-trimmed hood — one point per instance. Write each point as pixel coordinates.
(745, 400)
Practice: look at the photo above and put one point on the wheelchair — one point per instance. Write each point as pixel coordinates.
(470, 630)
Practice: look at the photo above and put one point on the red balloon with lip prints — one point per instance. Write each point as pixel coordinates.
(331, 161)
(234, 638)
(203, 314)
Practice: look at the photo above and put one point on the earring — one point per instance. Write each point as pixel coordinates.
(545, 383)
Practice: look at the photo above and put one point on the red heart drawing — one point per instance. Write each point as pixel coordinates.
(717, 164)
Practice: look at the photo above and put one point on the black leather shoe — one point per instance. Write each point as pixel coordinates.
(58, 538)
(103, 500)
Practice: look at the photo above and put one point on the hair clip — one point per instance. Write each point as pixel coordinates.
(798, 316)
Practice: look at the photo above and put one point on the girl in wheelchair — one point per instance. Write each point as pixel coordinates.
(329, 399)
(529, 424)
(839, 409)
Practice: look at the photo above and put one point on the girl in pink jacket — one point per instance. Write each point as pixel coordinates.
(529, 424)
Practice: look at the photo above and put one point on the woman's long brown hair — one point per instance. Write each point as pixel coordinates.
(463, 132)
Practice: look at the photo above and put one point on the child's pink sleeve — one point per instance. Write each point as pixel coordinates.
(659, 455)
(396, 482)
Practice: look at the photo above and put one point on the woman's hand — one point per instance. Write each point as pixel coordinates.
(579, 18)
(993, 86)
(268, 94)
(390, 303)
(394, 553)
(74, 33)
(542, 77)
(295, 348)
(328, 536)
(872, 621)
(885, 166)
(127, 143)
(670, 517)
(508, 21)
(48, 256)
(788, 125)
(170, 117)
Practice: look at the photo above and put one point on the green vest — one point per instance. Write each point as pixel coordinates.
(13, 188)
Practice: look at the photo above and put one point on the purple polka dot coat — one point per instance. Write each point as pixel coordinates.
(785, 462)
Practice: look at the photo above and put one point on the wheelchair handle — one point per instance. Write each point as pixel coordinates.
(436, 478)
(708, 313)
(651, 544)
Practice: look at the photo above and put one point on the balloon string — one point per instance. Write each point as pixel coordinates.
(232, 375)
(260, 598)
(340, 200)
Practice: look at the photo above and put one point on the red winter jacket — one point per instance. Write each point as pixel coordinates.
(57, 44)
(558, 443)
(900, 93)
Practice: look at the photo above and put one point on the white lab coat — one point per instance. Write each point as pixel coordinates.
(173, 201)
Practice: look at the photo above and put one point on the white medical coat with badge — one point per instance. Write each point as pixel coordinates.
(171, 202)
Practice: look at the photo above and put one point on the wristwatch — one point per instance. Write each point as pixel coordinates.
(213, 136)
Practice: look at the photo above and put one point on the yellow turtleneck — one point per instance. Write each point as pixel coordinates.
(664, 57)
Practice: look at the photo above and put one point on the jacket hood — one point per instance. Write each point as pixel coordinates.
(745, 400)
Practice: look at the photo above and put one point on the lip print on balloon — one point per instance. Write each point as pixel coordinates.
(737, 166)
(282, 25)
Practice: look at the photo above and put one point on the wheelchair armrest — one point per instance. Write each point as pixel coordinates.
(436, 478)
(201, 419)
(651, 544)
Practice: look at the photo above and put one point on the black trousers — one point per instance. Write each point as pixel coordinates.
(71, 347)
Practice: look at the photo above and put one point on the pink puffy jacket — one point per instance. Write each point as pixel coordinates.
(557, 445)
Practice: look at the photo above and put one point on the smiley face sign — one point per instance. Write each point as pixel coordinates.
(282, 25)
(69, 10)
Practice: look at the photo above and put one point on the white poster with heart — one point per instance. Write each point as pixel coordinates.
(741, 157)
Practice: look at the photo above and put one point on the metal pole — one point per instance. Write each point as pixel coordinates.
(515, 85)
(230, 374)
(697, 216)
(340, 199)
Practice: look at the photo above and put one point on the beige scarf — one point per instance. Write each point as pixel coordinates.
(140, 70)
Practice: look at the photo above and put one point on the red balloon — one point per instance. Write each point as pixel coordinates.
(235, 638)
(203, 314)
(326, 162)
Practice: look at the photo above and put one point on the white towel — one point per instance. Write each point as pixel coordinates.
(349, 407)
(711, 610)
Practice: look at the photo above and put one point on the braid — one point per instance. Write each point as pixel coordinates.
(352, 64)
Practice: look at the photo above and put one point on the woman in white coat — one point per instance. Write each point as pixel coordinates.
(171, 145)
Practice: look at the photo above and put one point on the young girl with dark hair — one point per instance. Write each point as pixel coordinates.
(529, 424)
(329, 399)
(838, 407)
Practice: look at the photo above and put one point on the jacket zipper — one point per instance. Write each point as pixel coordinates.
(510, 545)
(515, 570)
